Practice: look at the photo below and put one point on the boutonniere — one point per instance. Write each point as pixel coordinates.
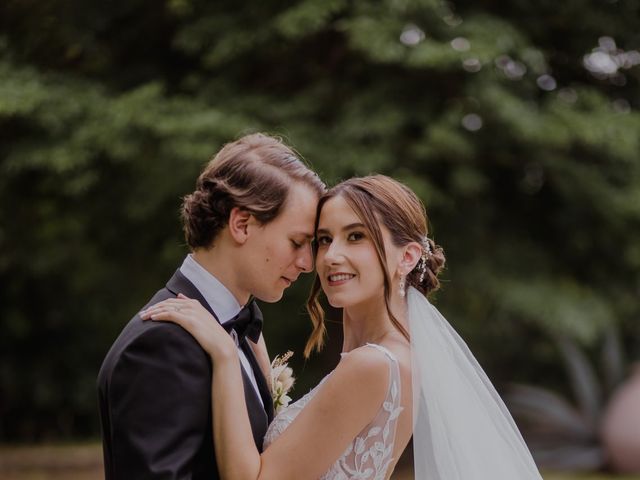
(282, 381)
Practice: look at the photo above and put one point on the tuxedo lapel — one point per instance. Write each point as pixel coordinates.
(180, 284)
(261, 381)
(257, 416)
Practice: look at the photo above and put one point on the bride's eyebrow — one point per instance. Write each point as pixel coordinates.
(351, 226)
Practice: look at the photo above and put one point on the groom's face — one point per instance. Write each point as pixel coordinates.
(276, 253)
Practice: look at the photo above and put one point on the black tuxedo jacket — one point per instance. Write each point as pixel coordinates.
(154, 391)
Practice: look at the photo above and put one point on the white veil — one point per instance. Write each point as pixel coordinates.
(462, 429)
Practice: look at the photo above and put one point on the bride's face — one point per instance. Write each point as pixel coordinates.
(346, 260)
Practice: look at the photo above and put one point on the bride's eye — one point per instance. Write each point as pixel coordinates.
(324, 240)
(355, 236)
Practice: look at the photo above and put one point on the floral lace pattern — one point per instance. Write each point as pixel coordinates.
(370, 454)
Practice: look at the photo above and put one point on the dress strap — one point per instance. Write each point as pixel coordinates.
(383, 350)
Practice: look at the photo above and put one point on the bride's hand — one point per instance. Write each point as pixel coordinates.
(195, 319)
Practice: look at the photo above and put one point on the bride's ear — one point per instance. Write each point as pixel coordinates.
(411, 254)
(239, 220)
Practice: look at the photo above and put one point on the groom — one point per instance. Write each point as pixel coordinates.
(249, 226)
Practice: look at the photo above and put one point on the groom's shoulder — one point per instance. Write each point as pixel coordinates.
(136, 327)
(154, 339)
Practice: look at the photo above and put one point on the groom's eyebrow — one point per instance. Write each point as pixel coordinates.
(306, 235)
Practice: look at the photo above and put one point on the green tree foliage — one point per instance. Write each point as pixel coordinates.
(517, 123)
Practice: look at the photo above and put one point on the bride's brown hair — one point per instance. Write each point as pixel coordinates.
(376, 200)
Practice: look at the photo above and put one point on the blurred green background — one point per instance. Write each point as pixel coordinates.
(516, 122)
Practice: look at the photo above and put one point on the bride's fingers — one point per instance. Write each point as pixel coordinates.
(183, 319)
(168, 315)
(157, 309)
(150, 313)
(181, 314)
(172, 303)
(196, 320)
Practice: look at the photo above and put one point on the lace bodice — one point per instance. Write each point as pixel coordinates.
(370, 454)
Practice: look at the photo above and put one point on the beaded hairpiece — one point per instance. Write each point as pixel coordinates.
(426, 251)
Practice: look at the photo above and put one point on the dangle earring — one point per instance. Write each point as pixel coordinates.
(403, 288)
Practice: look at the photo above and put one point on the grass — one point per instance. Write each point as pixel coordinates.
(84, 462)
(589, 477)
(547, 476)
(51, 462)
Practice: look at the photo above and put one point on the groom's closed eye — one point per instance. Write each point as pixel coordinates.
(301, 242)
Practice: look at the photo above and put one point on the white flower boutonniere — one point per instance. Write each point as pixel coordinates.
(282, 381)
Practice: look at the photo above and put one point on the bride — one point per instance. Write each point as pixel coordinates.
(403, 371)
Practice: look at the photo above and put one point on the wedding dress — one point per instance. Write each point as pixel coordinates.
(370, 455)
(461, 428)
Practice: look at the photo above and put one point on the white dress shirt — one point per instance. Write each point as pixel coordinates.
(221, 301)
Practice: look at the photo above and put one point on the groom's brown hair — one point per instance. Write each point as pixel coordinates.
(253, 173)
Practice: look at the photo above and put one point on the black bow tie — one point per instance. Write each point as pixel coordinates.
(248, 323)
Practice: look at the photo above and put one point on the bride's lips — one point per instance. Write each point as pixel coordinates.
(287, 281)
(340, 278)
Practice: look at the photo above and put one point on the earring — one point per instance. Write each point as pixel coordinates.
(403, 288)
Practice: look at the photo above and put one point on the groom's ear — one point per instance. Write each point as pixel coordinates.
(239, 220)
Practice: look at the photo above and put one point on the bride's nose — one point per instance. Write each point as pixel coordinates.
(333, 254)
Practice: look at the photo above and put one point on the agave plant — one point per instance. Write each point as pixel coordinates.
(563, 435)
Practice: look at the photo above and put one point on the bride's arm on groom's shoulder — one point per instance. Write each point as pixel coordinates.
(346, 402)
(343, 405)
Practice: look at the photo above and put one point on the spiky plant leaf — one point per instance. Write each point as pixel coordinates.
(583, 380)
(612, 359)
(571, 458)
(543, 413)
